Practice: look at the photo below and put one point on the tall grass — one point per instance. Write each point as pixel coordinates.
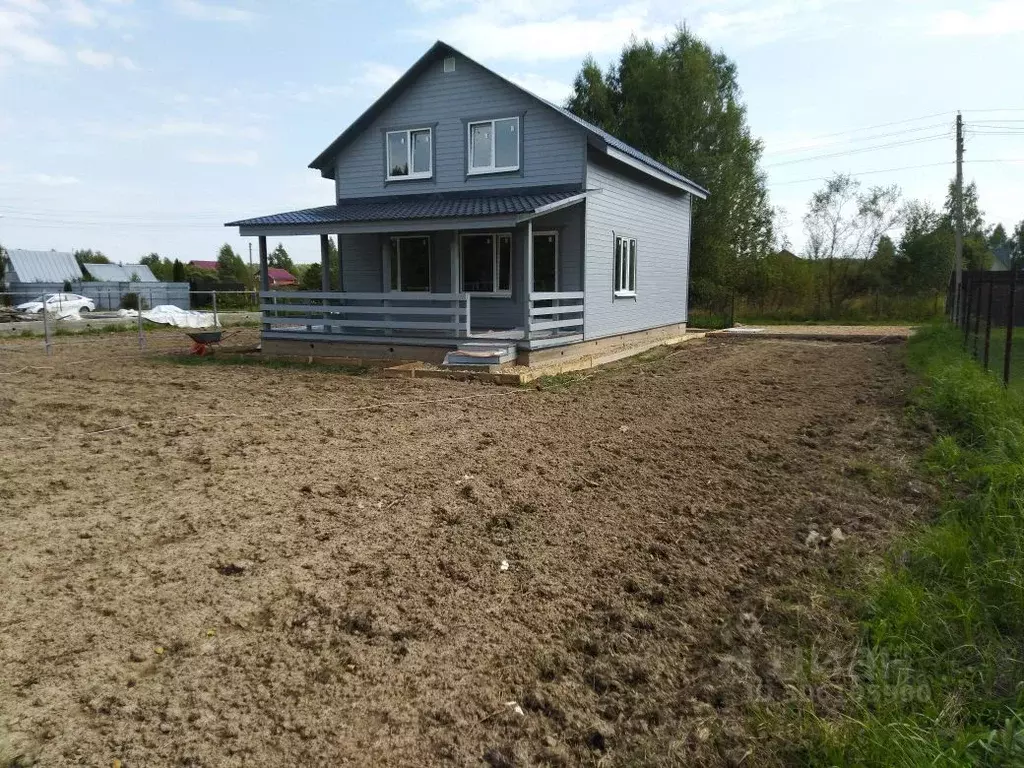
(940, 676)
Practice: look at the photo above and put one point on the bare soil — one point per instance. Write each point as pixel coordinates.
(221, 565)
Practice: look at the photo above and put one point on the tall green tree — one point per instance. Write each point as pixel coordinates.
(178, 274)
(279, 258)
(89, 256)
(230, 266)
(161, 268)
(681, 104)
(310, 279)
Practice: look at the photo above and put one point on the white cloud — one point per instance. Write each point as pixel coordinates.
(378, 76)
(47, 180)
(20, 38)
(78, 13)
(104, 60)
(548, 88)
(198, 11)
(994, 18)
(236, 157)
(529, 30)
(176, 128)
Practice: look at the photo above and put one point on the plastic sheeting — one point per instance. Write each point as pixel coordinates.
(168, 314)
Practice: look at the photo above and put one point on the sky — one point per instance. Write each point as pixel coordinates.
(134, 126)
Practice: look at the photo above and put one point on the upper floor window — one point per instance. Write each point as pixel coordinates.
(625, 266)
(410, 155)
(494, 145)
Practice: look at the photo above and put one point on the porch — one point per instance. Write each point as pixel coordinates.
(514, 279)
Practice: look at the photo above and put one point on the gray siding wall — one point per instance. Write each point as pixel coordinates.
(552, 149)
(621, 203)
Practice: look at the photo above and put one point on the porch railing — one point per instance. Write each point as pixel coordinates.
(555, 313)
(362, 314)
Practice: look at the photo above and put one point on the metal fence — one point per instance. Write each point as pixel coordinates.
(65, 327)
(990, 306)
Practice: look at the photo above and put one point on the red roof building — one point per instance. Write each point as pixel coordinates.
(210, 265)
(280, 277)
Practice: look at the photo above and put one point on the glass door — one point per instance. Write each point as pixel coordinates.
(545, 262)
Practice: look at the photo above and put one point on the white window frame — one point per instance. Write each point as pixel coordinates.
(429, 173)
(472, 170)
(624, 258)
(495, 263)
(396, 275)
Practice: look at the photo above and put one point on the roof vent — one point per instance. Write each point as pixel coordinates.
(449, 64)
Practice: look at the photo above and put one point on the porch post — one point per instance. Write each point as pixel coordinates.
(325, 275)
(325, 263)
(453, 270)
(341, 272)
(264, 274)
(527, 277)
(386, 249)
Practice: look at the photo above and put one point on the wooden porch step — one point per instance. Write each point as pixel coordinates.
(481, 353)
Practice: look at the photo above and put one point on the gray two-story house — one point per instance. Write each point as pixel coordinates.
(478, 222)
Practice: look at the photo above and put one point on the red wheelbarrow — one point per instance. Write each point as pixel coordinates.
(203, 342)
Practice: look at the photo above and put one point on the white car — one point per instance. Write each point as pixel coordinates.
(60, 304)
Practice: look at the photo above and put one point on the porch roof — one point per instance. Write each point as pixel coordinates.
(446, 209)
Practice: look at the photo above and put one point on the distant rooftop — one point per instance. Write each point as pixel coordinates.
(42, 266)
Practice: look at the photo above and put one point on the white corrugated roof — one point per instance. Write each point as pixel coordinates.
(42, 266)
(121, 273)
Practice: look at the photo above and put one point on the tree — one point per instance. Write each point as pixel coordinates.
(3, 266)
(90, 256)
(310, 279)
(178, 272)
(279, 258)
(230, 267)
(844, 223)
(974, 217)
(680, 103)
(161, 268)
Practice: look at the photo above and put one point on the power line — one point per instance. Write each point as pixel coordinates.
(874, 137)
(883, 125)
(865, 173)
(860, 150)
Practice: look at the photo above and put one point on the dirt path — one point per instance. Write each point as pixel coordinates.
(310, 575)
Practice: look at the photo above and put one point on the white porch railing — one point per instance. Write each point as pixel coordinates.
(555, 313)
(365, 314)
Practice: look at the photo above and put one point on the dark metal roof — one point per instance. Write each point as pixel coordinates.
(440, 49)
(427, 206)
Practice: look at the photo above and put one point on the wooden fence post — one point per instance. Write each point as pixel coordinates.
(988, 320)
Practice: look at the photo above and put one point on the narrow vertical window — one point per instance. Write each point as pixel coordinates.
(625, 266)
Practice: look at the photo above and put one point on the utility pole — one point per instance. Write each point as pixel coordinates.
(250, 256)
(958, 217)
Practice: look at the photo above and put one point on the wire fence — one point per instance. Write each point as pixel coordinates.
(64, 330)
(990, 306)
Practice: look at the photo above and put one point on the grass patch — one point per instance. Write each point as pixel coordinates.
(219, 359)
(939, 674)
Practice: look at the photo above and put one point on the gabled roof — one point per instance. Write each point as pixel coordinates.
(434, 205)
(278, 275)
(200, 264)
(121, 273)
(43, 266)
(598, 138)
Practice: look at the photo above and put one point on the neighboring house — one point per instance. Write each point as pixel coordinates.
(468, 208)
(208, 265)
(41, 267)
(121, 273)
(280, 278)
(1002, 258)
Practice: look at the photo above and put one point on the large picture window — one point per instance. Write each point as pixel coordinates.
(410, 263)
(493, 145)
(625, 266)
(410, 155)
(487, 264)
